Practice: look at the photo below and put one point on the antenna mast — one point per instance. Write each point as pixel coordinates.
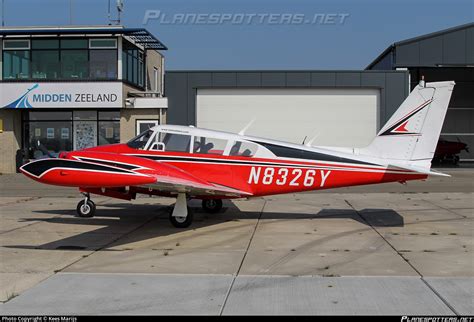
(3, 13)
(70, 12)
(119, 7)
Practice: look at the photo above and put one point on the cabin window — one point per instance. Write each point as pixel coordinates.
(176, 142)
(205, 145)
(243, 149)
(140, 141)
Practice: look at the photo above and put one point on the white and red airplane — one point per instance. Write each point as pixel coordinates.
(187, 162)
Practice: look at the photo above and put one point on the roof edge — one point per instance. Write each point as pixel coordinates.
(187, 71)
(434, 34)
(418, 38)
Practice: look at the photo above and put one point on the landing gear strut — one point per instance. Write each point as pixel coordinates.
(182, 215)
(86, 207)
(211, 205)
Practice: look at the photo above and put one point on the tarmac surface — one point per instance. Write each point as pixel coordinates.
(386, 249)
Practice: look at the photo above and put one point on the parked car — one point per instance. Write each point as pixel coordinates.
(447, 151)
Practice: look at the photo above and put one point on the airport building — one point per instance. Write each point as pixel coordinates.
(68, 88)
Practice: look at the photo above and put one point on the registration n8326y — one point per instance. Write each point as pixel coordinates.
(288, 176)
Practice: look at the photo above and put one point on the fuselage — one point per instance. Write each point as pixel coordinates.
(254, 165)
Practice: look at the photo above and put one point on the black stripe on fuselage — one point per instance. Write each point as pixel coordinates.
(110, 163)
(37, 168)
(227, 161)
(294, 153)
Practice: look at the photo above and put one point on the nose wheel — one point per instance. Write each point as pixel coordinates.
(212, 205)
(86, 208)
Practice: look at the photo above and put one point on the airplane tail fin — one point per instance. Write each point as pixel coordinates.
(411, 134)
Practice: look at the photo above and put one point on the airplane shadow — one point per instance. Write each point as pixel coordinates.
(119, 224)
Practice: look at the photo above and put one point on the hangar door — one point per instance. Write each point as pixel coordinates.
(338, 117)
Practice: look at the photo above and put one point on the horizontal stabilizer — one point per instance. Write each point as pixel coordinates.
(421, 170)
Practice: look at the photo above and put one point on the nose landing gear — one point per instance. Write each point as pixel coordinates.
(86, 207)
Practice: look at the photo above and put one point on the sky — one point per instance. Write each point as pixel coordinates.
(340, 34)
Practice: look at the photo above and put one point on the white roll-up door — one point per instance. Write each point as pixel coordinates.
(338, 117)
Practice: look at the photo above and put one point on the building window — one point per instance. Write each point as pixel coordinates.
(74, 44)
(156, 78)
(48, 133)
(45, 44)
(45, 64)
(102, 43)
(103, 64)
(16, 64)
(74, 64)
(47, 139)
(133, 65)
(16, 44)
(144, 125)
(67, 59)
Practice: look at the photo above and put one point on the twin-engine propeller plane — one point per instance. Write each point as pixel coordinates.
(187, 162)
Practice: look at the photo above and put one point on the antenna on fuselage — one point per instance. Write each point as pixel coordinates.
(310, 142)
(242, 132)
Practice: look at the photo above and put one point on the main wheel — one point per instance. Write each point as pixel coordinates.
(212, 205)
(86, 210)
(456, 160)
(182, 222)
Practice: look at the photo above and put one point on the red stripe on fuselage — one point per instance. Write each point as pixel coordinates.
(236, 172)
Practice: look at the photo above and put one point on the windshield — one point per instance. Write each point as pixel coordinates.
(140, 141)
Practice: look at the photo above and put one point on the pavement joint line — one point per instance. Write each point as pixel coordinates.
(447, 209)
(440, 297)
(405, 259)
(242, 261)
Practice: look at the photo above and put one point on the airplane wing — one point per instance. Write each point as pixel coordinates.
(107, 170)
(193, 187)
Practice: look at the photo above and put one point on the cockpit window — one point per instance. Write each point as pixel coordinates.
(140, 141)
(243, 149)
(205, 145)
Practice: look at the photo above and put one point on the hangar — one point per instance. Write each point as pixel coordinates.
(442, 55)
(288, 105)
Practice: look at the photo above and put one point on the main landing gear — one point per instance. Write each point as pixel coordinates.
(182, 216)
(212, 206)
(86, 207)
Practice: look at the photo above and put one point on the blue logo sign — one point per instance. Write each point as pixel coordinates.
(22, 102)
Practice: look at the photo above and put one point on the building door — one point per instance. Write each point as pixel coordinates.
(85, 134)
(337, 117)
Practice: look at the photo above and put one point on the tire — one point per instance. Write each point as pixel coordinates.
(456, 160)
(212, 206)
(180, 222)
(85, 210)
